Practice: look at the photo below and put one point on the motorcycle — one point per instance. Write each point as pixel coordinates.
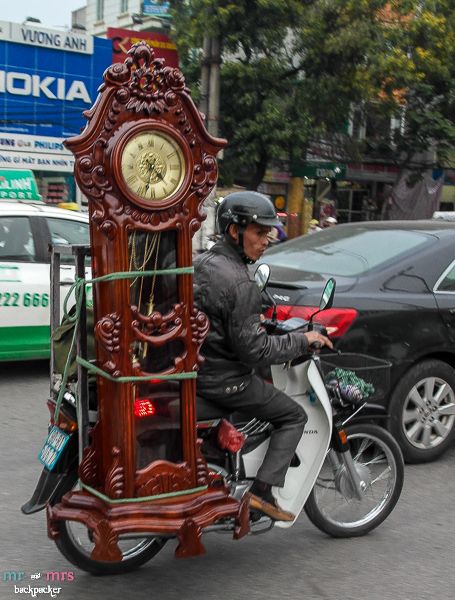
(347, 476)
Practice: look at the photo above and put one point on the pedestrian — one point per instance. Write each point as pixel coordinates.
(314, 226)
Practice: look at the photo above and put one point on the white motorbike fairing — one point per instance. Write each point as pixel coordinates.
(304, 384)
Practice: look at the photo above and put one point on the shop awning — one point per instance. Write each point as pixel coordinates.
(18, 184)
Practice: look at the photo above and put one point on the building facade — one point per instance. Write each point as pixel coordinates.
(47, 79)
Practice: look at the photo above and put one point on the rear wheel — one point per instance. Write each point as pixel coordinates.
(76, 543)
(333, 506)
(422, 409)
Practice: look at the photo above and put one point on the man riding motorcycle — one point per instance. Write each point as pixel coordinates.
(237, 342)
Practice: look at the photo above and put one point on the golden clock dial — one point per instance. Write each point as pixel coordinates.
(152, 165)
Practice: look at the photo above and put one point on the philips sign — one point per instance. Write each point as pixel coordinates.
(45, 85)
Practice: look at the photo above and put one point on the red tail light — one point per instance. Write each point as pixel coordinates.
(143, 407)
(336, 320)
(64, 422)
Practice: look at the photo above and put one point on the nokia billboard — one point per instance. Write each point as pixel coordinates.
(47, 79)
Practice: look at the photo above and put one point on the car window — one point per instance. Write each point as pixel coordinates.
(16, 239)
(348, 251)
(448, 282)
(66, 231)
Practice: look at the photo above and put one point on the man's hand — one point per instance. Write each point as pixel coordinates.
(316, 337)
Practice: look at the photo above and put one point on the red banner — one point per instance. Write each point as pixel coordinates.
(123, 39)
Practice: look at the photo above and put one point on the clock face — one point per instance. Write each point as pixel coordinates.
(152, 165)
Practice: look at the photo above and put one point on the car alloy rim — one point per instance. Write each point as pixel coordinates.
(429, 413)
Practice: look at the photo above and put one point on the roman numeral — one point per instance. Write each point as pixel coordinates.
(141, 190)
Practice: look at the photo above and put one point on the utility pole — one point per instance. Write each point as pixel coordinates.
(210, 82)
(205, 76)
(209, 105)
(214, 87)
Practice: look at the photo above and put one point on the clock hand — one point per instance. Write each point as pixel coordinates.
(152, 169)
(158, 174)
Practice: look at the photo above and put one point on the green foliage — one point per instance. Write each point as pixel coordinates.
(293, 70)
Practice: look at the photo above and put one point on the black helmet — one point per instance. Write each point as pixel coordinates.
(243, 208)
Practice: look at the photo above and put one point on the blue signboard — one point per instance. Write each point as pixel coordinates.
(156, 8)
(44, 90)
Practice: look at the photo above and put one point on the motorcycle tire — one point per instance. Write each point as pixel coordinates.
(75, 542)
(332, 505)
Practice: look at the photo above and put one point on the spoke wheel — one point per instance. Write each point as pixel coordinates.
(423, 411)
(76, 543)
(333, 505)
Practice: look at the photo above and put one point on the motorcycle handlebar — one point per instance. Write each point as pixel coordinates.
(292, 324)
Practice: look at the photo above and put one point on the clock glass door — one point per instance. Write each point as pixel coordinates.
(153, 301)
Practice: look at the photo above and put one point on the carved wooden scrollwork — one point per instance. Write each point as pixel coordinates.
(88, 467)
(105, 538)
(157, 329)
(162, 477)
(115, 480)
(202, 472)
(199, 329)
(205, 175)
(190, 540)
(107, 331)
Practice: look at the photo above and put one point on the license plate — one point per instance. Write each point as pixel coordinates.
(53, 447)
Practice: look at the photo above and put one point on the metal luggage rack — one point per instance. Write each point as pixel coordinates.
(80, 388)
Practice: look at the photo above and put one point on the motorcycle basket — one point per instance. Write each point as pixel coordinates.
(355, 378)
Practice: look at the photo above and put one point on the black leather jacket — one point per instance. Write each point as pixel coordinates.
(236, 341)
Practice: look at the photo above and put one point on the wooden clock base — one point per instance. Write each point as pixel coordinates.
(185, 517)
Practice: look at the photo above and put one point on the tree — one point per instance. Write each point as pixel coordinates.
(262, 115)
(396, 59)
(293, 71)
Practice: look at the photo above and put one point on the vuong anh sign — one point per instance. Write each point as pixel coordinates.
(48, 78)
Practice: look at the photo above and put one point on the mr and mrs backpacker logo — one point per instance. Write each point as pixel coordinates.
(36, 585)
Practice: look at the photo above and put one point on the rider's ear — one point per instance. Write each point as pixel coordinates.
(233, 231)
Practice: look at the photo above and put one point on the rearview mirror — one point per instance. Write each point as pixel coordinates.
(262, 276)
(327, 294)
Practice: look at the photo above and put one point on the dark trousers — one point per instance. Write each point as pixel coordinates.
(264, 401)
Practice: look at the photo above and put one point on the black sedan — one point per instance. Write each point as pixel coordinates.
(395, 300)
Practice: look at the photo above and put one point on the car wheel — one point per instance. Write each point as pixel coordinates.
(422, 410)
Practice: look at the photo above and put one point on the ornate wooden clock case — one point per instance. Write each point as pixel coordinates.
(146, 163)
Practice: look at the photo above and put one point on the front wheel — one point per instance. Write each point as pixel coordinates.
(332, 505)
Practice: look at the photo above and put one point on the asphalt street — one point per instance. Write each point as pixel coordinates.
(409, 557)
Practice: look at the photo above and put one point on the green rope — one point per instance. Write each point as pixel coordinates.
(77, 288)
(133, 274)
(127, 379)
(78, 296)
(142, 498)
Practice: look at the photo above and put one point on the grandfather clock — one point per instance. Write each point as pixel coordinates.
(146, 163)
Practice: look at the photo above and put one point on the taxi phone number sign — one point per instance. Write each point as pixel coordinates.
(15, 300)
